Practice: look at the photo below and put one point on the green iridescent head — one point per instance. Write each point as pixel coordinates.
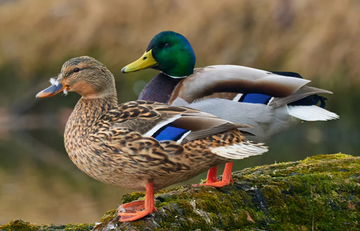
(168, 52)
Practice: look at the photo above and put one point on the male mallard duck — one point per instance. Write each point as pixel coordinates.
(140, 145)
(270, 102)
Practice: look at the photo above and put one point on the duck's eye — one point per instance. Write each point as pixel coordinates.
(76, 69)
(167, 45)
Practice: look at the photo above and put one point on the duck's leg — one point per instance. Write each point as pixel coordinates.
(212, 175)
(226, 178)
(133, 209)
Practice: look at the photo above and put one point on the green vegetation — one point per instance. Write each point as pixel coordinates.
(20, 225)
(317, 193)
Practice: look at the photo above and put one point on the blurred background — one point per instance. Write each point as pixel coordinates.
(39, 183)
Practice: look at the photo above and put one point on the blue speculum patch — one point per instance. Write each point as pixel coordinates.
(169, 133)
(255, 98)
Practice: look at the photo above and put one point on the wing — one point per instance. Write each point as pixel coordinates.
(298, 95)
(275, 89)
(232, 78)
(152, 136)
(164, 122)
(258, 116)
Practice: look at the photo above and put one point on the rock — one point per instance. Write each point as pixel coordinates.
(319, 193)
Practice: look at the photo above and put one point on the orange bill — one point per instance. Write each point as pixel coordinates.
(51, 91)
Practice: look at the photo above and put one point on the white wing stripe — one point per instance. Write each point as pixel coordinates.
(183, 137)
(160, 125)
(311, 113)
(239, 150)
(237, 97)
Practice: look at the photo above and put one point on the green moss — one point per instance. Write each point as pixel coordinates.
(320, 188)
(108, 215)
(106, 219)
(128, 197)
(79, 227)
(19, 225)
(318, 193)
(327, 157)
(288, 196)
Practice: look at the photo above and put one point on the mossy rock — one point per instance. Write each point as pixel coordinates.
(20, 225)
(319, 193)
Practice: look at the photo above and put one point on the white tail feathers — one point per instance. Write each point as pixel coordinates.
(240, 150)
(311, 113)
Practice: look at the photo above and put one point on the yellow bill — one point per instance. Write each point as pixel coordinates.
(145, 61)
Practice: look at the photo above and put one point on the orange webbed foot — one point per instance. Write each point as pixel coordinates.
(211, 177)
(135, 215)
(138, 209)
(226, 179)
(132, 206)
(218, 184)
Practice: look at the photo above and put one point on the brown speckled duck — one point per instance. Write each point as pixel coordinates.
(140, 145)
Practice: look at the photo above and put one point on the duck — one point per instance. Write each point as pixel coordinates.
(140, 145)
(269, 102)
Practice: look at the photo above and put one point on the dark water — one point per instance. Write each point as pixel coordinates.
(39, 183)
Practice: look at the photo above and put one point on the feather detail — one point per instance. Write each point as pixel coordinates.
(159, 88)
(169, 132)
(160, 125)
(237, 97)
(54, 82)
(311, 113)
(210, 131)
(231, 78)
(266, 121)
(240, 150)
(255, 98)
(152, 120)
(179, 141)
(300, 94)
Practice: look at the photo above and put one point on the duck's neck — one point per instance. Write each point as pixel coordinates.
(159, 89)
(93, 107)
(85, 115)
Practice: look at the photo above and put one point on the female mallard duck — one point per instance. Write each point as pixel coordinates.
(140, 145)
(270, 102)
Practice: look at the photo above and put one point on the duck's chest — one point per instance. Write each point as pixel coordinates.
(86, 155)
(76, 135)
(159, 89)
(78, 144)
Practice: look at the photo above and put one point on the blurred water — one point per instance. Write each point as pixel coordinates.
(39, 183)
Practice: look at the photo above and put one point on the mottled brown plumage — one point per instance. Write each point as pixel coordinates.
(114, 143)
(108, 145)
